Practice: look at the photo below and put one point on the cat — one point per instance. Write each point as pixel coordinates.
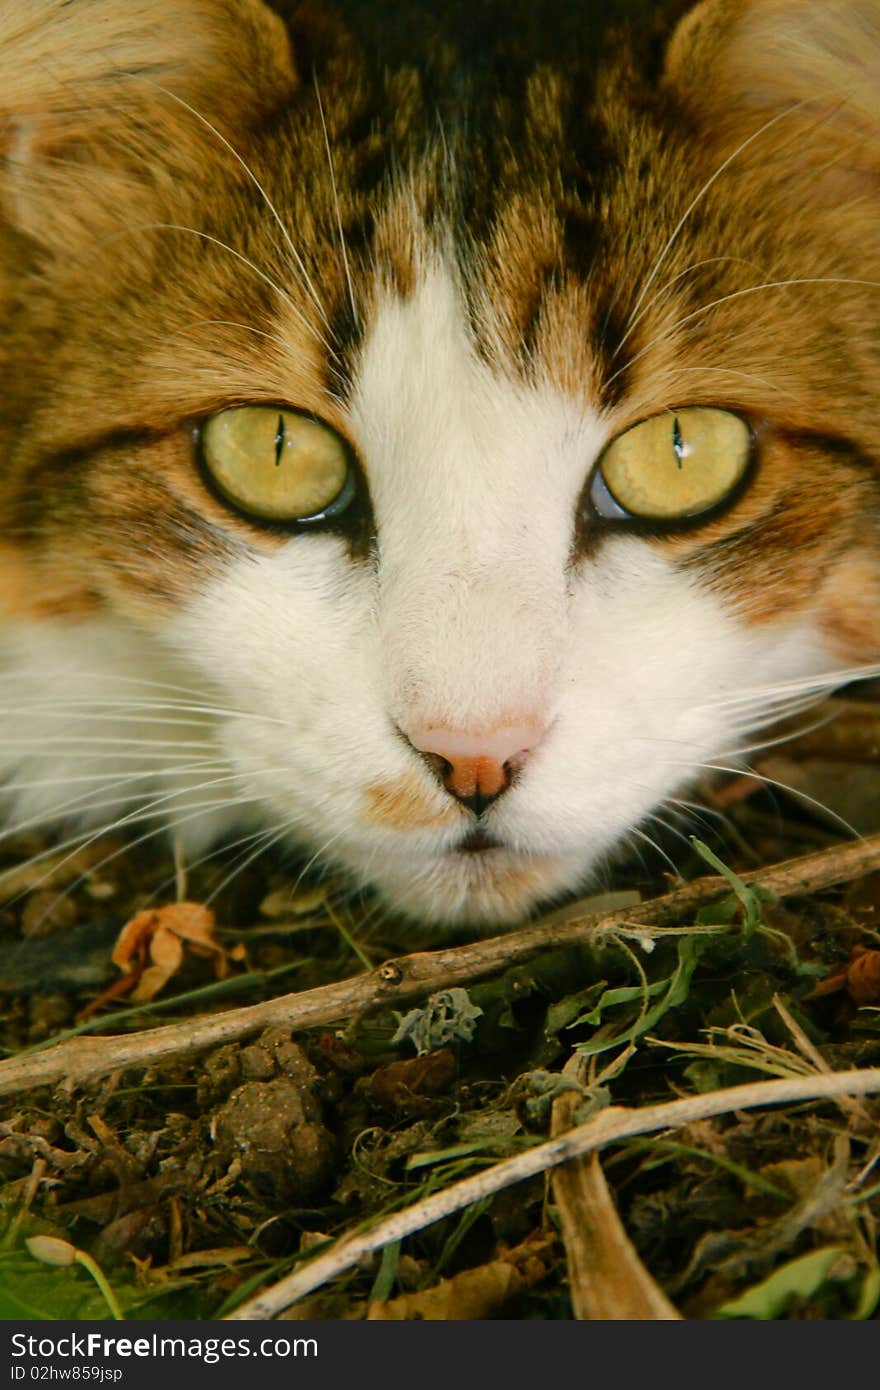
(431, 433)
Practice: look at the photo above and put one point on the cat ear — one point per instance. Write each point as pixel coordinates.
(808, 72)
(91, 85)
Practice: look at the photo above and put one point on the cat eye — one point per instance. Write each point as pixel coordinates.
(277, 464)
(673, 466)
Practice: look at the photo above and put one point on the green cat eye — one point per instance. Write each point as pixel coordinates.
(673, 466)
(278, 465)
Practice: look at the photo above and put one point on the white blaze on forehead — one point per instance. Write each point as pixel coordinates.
(474, 480)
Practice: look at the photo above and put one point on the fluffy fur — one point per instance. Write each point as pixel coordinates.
(478, 264)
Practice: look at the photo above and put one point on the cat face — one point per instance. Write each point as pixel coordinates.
(589, 379)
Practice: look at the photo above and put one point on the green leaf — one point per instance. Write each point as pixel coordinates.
(623, 994)
(800, 1278)
(869, 1295)
(386, 1274)
(561, 1014)
(677, 988)
(749, 898)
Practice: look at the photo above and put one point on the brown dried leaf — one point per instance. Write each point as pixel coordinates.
(166, 951)
(160, 933)
(193, 922)
(860, 978)
(222, 1256)
(863, 976)
(474, 1293)
(406, 1085)
(133, 941)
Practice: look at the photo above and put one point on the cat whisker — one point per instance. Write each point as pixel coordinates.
(82, 716)
(636, 318)
(654, 818)
(700, 195)
(101, 780)
(342, 247)
(310, 863)
(102, 740)
(169, 748)
(244, 260)
(708, 818)
(282, 227)
(146, 711)
(269, 838)
(772, 782)
(85, 800)
(161, 829)
(727, 298)
(284, 343)
(779, 740)
(24, 673)
(145, 811)
(647, 839)
(218, 850)
(105, 778)
(820, 683)
(744, 376)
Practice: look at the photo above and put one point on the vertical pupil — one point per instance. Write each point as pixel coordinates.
(279, 440)
(677, 442)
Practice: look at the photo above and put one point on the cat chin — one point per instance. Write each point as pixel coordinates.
(497, 888)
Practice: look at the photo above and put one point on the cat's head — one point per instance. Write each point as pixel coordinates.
(477, 457)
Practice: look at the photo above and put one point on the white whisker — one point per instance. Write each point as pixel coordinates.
(297, 258)
(642, 835)
(726, 299)
(147, 811)
(102, 740)
(218, 850)
(23, 673)
(744, 376)
(86, 803)
(700, 195)
(771, 782)
(342, 246)
(270, 837)
(636, 317)
(224, 246)
(162, 829)
(148, 711)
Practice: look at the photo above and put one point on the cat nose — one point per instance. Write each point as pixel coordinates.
(476, 768)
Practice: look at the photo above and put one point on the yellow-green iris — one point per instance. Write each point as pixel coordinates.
(276, 464)
(675, 465)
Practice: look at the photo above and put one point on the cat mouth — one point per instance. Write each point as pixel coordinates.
(479, 841)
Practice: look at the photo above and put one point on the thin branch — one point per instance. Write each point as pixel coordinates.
(607, 1127)
(413, 976)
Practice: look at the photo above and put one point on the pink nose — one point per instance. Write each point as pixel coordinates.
(478, 767)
